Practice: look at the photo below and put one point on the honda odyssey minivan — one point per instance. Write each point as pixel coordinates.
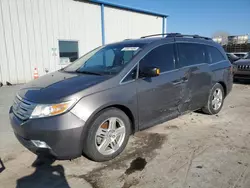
(92, 106)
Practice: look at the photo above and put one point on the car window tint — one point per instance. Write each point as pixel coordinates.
(131, 75)
(127, 56)
(101, 59)
(109, 56)
(161, 57)
(214, 54)
(191, 54)
(95, 61)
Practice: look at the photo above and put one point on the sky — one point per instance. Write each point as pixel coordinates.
(203, 17)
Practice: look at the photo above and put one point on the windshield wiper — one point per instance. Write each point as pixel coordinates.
(88, 72)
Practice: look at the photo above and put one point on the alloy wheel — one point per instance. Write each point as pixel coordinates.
(217, 99)
(110, 136)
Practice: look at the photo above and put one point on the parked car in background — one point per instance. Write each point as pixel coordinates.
(93, 105)
(242, 68)
(247, 56)
(232, 57)
(240, 54)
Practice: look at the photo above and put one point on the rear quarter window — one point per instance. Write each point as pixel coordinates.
(214, 55)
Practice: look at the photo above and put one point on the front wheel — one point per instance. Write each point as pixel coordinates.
(108, 135)
(215, 100)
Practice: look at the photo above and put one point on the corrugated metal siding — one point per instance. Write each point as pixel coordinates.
(29, 29)
(124, 24)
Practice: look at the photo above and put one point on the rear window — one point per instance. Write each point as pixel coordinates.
(214, 55)
(191, 54)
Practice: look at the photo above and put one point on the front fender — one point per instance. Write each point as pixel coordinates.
(89, 106)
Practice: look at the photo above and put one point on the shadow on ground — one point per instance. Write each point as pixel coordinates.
(45, 175)
(2, 167)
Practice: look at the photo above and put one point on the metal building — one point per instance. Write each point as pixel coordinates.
(49, 34)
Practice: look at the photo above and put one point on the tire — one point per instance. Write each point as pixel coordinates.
(210, 108)
(91, 142)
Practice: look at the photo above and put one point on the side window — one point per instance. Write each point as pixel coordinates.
(131, 75)
(214, 54)
(191, 54)
(161, 57)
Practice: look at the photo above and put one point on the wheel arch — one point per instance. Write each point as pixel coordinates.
(224, 87)
(127, 111)
(121, 107)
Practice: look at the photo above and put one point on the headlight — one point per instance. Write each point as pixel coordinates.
(46, 110)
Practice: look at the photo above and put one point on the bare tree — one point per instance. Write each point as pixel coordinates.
(221, 34)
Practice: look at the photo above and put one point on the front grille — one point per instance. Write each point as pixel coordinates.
(22, 108)
(244, 67)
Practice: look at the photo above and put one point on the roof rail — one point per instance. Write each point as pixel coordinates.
(196, 36)
(177, 35)
(161, 34)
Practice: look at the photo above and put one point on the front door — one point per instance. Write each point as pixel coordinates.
(159, 97)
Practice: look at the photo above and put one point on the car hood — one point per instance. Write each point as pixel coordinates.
(57, 86)
(242, 62)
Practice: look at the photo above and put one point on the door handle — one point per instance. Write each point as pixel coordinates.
(180, 81)
(185, 78)
(176, 82)
(186, 75)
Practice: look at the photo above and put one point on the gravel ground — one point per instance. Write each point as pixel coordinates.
(195, 150)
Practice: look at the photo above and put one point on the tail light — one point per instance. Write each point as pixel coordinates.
(232, 68)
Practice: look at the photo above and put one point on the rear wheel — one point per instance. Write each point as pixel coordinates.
(108, 135)
(215, 100)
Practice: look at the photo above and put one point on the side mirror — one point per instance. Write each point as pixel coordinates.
(150, 72)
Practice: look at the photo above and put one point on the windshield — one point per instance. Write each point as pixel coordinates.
(110, 59)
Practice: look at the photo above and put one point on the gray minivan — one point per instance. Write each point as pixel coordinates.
(92, 106)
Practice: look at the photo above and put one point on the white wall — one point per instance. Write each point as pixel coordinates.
(29, 29)
(124, 24)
